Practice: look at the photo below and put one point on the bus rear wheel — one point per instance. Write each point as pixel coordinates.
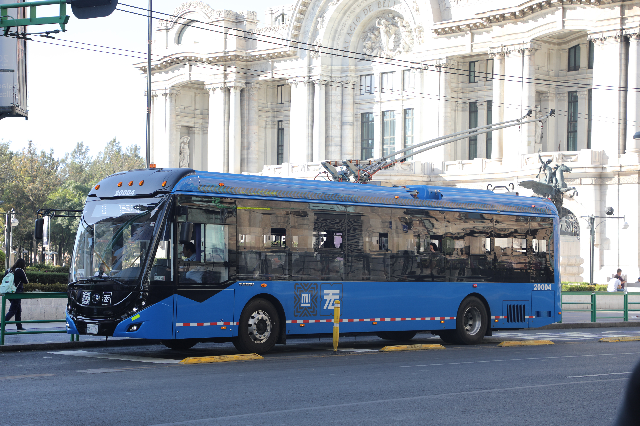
(258, 329)
(180, 344)
(396, 335)
(471, 322)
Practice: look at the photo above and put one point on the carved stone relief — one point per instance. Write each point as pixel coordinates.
(184, 151)
(389, 36)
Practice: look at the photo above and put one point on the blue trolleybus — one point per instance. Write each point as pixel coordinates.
(184, 256)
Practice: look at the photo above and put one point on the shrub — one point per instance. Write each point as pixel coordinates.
(47, 268)
(45, 277)
(583, 287)
(57, 287)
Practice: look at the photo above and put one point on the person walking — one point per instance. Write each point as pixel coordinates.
(19, 279)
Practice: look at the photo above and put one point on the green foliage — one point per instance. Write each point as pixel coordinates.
(43, 277)
(46, 267)
(583, 287)
(2, 258)
(33, 180)
(45, 287)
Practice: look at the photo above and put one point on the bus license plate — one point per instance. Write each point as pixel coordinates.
(92, 328)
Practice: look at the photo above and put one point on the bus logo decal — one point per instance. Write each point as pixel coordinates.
(330, 293)
(305, 300)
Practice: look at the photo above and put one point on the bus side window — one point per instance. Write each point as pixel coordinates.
(161, 269)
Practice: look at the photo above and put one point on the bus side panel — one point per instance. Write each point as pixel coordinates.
(155, 322)
(213, 317)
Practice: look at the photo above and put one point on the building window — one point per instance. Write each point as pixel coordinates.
(489, 121)
(408, 80)
(408, 129)
(280, 147)
(589, 111)
(592, 52)
(489, 73)
(366, 135)
(472, 71)
(386, 82)
(279, 93)
(473, 123)
(388, 132)
(574, 58)
(572, 122)
(366, 84)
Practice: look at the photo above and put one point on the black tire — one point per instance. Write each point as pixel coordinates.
(258, 329)
(180, 344)
(471, 322)
(399, 336)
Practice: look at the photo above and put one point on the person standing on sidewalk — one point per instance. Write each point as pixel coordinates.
(19, 279)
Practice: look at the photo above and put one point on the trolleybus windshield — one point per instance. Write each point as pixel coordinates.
(114, 238)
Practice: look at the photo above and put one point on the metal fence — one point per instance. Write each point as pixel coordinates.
(592, 304)
(38, 295)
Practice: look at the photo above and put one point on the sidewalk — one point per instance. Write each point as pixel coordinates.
(24, 342)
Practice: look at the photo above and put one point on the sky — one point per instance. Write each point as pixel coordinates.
(88, 96)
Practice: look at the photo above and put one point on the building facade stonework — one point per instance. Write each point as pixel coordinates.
(358, 79)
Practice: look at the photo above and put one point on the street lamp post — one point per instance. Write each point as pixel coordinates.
(10, 222)
(592, 233)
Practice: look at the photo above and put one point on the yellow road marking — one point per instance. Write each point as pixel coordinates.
(410, 348)
(525, 343)
(620, 339)
(220, 358)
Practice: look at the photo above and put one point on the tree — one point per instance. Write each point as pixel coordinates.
(113, 159)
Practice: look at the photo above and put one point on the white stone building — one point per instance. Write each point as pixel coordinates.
(354, 79)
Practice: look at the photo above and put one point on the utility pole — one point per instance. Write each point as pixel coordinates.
(149, 40)
(592, 234)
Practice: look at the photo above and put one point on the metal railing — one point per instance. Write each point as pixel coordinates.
(592, 304)
(39, 295)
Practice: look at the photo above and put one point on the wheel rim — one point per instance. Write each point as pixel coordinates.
(472, 320)
(259, 326)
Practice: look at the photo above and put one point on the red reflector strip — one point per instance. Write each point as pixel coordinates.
(499, 317)
(203, 324)
(371, 319)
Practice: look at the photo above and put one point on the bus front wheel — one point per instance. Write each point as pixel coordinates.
(471, 322)
(258, 329)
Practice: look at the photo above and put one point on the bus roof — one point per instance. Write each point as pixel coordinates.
(151, 182)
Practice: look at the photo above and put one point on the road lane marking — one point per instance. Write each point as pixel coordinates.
(598, 375)
(260, 415)
(24, 376)
(115, 357)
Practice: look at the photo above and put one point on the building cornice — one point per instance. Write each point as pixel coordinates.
(487, 19)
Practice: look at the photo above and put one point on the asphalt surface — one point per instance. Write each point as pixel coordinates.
(578, 380)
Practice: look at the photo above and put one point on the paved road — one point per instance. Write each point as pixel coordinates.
(579, 380)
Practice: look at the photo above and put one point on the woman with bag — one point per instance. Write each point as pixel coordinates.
(19, 279)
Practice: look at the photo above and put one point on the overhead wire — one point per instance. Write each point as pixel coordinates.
(258, 73)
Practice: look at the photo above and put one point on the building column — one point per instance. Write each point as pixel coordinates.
(606, 69)
(235, 129)
(448, 82)
(462, 146)
(528, 99)
(348, 99)
(169, 147)
(548, 131)
(154, 130)
(216, 135)
(498, 102)
(562, 105)
(633, 97)
(199, 159)
(334, 148)
(319, 122)
(299, 128)
(253, 148)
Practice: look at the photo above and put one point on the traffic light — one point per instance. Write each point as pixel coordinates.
(85, 9)
(39, 231)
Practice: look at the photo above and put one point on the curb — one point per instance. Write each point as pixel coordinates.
(509, 343)
(220, 358)
(620, 339)
(572, 325)
(77, 345)
(398, 348)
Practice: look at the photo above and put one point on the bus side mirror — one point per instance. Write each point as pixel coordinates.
(39, 231)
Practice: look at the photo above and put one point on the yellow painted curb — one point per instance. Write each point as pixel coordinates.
(410, 348)
(220, 358)
(620, 339)
(525, 343)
